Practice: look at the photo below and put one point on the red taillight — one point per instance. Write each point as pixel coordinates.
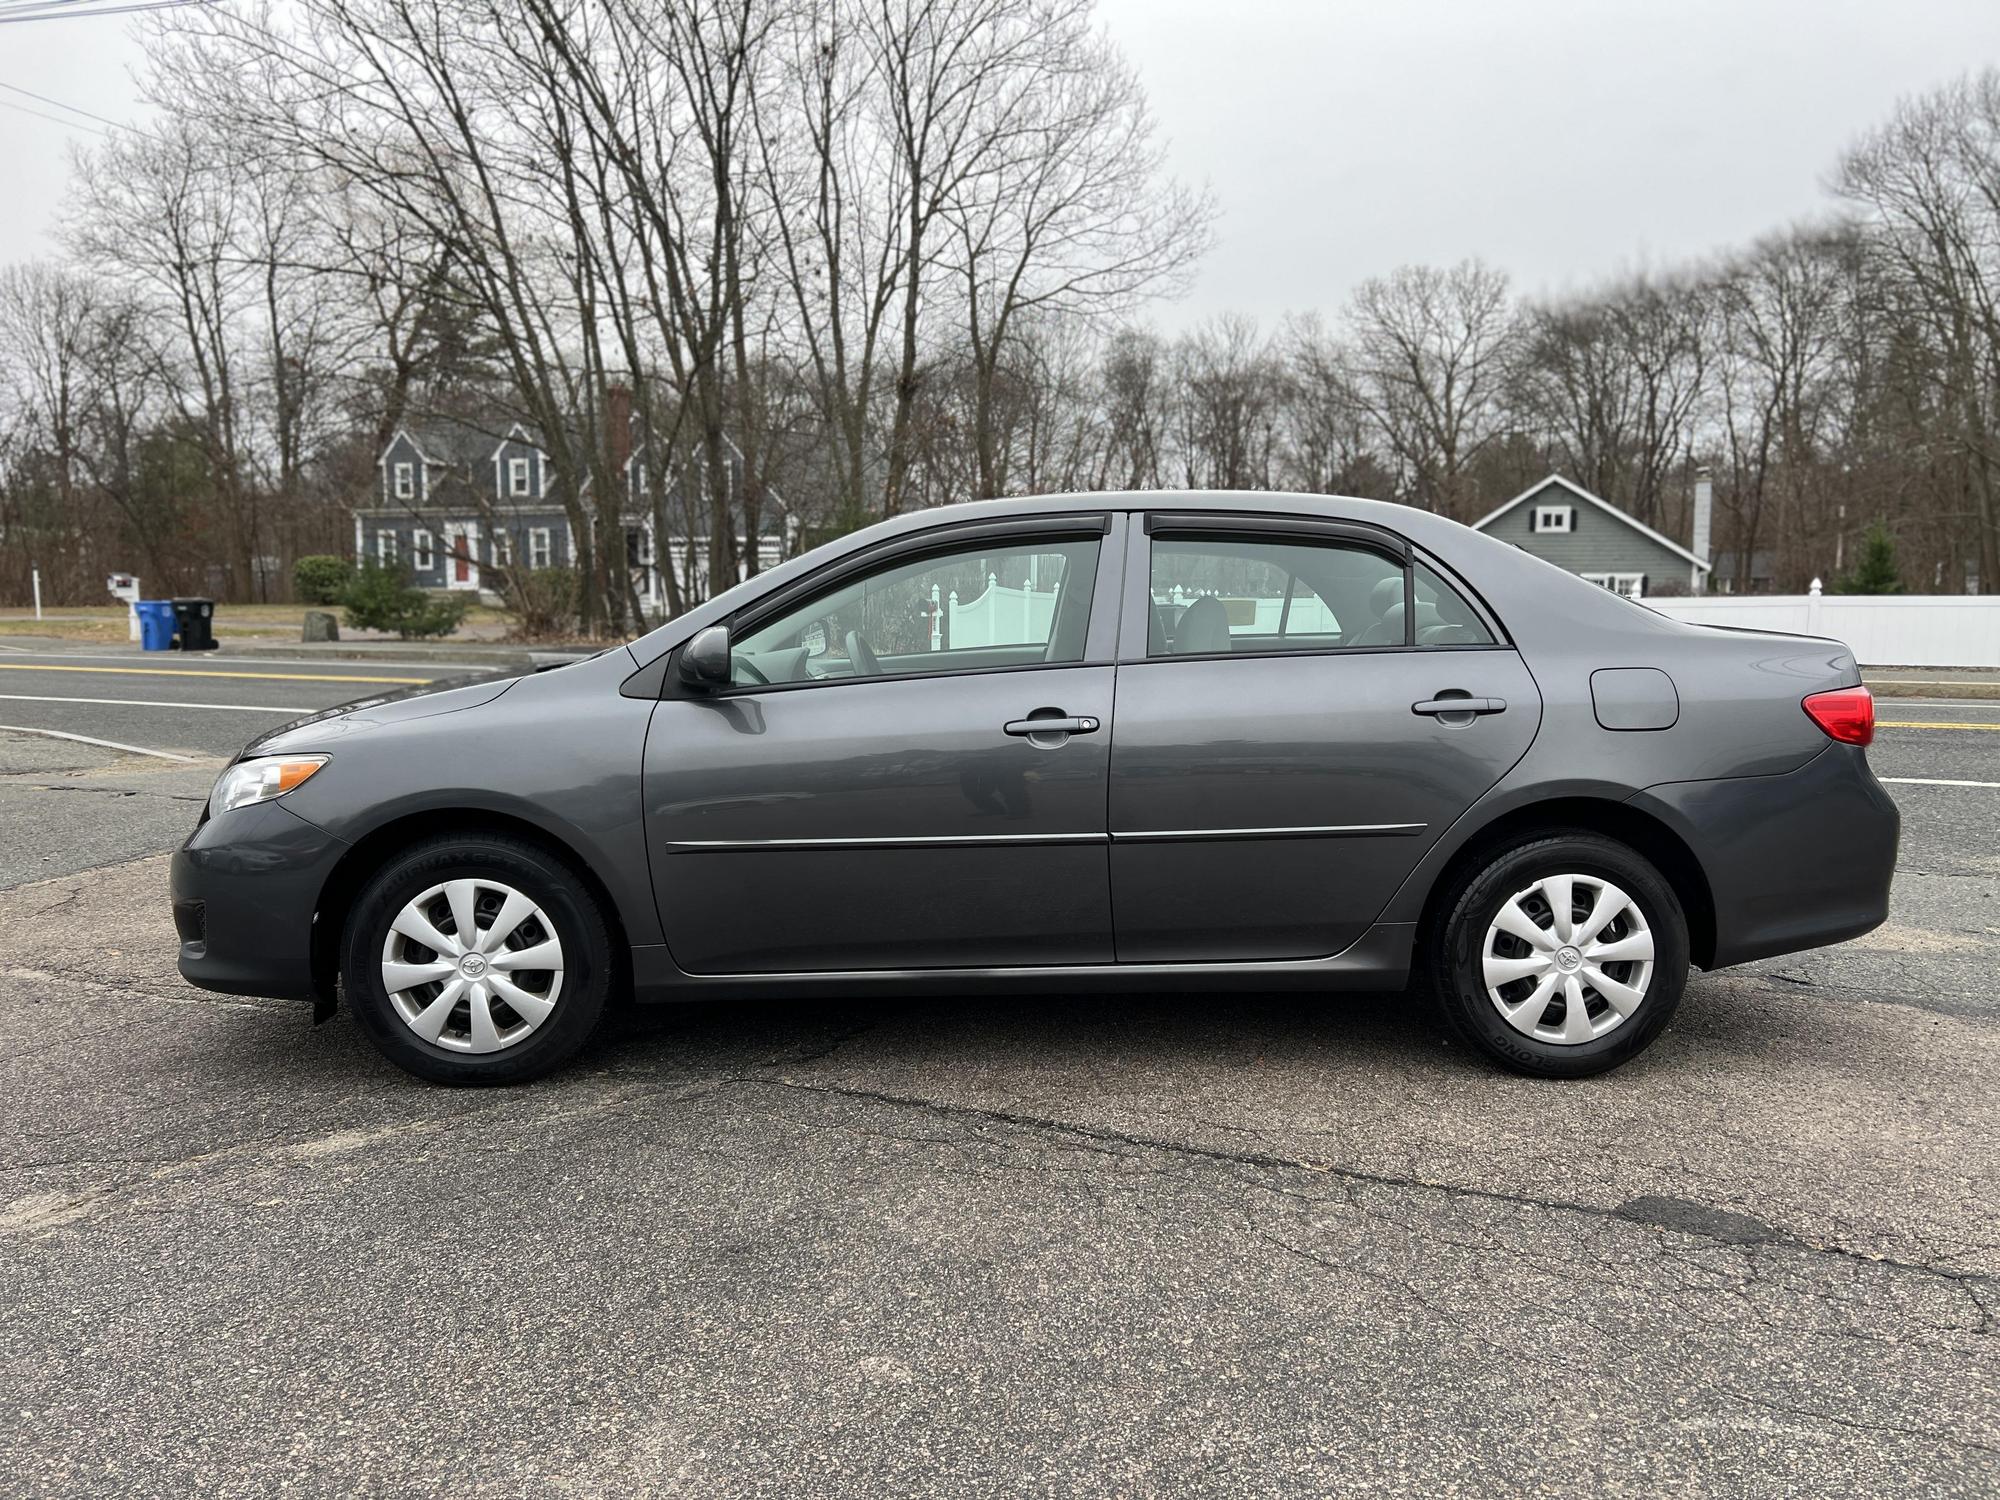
(1846, 714)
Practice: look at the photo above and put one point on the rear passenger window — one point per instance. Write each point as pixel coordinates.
(1220, 594)
(1444, 618)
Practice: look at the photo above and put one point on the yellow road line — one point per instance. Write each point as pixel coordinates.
(1927, 724)
(12, 666)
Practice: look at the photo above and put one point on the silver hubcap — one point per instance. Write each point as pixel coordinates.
(472, 965)
(1568, 959)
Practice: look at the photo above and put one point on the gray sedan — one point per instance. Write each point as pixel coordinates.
(1139, 740)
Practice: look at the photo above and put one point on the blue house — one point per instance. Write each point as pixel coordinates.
(1563, 523)
(456, 499)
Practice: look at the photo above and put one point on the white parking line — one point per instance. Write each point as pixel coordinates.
(1990, 705)
(293, 709)
(168, 660)
(91, 739)
(70, 668)
(1933, 781)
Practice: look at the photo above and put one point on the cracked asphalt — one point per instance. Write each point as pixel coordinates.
(1158, 1246)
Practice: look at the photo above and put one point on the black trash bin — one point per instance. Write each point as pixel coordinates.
(194, 624)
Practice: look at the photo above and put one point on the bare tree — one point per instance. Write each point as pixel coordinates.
(48, 321)
(1432, 352)
(169, 215)
(1615, 380)
(1781, 308)
(1136, 395)
(1066, 212)
(1231, 389)
(1929, 181)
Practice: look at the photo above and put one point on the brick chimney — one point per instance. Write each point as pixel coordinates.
(1704, 522)
(618, 424)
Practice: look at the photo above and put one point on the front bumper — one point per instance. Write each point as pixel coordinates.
(1793, 861)
(245, 888)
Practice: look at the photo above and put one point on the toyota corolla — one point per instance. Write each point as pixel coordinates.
(1144, 741)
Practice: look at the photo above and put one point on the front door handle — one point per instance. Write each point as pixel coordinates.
(1034, 728)
(1467, 705)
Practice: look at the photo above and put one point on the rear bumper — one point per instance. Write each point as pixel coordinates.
(1793, 861)
(244, 889)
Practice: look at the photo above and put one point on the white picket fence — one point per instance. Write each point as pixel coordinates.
(1896, 630)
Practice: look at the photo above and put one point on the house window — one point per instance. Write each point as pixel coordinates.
(385, 547)
(541, 552)
(406, 481)
(1631, 585)
(503, 548)
(638, 547)
(420, 547)
(517, 476)
(1554, 518)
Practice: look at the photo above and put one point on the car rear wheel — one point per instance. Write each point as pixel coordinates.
(477, 959)
(1559, 957)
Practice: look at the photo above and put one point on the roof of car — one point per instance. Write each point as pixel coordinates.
(1381, 512)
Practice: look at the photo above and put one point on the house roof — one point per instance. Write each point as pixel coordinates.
(451, 441)
(1604, 505)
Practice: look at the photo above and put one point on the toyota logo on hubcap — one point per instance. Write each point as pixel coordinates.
(1568, 960)
(472, 966)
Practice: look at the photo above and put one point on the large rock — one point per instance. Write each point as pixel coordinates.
(321, 626)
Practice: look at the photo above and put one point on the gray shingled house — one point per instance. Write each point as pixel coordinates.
(1563, 523)
(455, 496)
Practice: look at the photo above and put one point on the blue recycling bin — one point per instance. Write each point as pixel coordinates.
(156, 624)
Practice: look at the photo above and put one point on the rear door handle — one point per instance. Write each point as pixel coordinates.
(1027, 727)
(1435, 706)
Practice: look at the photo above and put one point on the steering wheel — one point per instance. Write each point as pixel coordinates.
(743, 667)
(862, 655)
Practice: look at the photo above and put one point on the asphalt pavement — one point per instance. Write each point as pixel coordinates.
(150, 730)
(1144, 1246)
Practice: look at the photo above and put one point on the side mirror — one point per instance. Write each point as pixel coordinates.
(704, 663)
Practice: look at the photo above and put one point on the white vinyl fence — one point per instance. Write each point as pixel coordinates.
(1000, 616)
(1896, 630)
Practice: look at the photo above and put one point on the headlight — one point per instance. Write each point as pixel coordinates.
(260, 780)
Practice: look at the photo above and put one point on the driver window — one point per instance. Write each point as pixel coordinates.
(968, 610)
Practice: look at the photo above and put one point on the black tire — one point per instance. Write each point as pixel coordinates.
(589, 966)
(1451, 962)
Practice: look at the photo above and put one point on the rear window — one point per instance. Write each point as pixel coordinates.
(1444, 616)
(1218, 594)
(1212, 595)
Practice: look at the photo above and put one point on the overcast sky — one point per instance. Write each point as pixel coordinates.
(1562, 140)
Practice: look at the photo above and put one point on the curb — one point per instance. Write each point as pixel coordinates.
(1912, 688)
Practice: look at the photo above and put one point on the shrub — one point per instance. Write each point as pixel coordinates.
(321, 579)
(383, 598)
(542, 601)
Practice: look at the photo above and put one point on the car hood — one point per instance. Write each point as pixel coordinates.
(317, 731)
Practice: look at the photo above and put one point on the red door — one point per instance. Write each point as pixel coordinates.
(461, 559)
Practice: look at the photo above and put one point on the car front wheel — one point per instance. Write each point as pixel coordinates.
(1559, 957)
(476, 959)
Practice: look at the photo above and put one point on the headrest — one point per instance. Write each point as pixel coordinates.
(1204, 628)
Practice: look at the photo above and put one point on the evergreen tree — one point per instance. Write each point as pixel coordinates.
(1874, 571)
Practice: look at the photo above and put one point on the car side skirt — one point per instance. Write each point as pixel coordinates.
(1377, 960)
